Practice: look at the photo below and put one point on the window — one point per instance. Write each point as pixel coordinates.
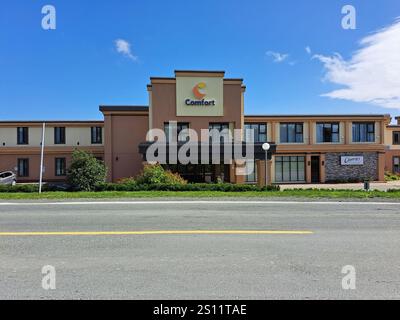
(22, 135)
(396, 137)
(259, 129)
(291, 133)
(396, 165)
(59, 135)
(252, 176)
(290, 169)
(97, 135)
(180, 126)
(60, 167)
(23, 167)
(220, 127)
(328, 132)
(363, 132)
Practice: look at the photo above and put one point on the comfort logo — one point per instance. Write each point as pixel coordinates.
(198, 90)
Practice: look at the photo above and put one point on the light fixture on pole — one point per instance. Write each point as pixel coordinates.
(266, 147)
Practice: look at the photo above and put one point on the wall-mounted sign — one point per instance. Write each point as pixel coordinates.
(199, 96)
(199, 93)
(352, 160)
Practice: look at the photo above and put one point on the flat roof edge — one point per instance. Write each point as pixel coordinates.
(317, 115)
(123, 108)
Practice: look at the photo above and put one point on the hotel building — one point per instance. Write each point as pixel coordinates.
(305, 148)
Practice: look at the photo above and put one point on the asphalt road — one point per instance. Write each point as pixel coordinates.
(200, 266)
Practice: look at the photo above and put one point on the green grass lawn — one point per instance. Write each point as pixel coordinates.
(316, 194)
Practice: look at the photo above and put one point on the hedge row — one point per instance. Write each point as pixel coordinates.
(223, 187)
(27, 188)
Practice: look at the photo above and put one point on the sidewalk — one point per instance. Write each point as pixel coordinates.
(344, 186)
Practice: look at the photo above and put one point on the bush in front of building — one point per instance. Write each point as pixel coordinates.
(27, 188)
(85, 172)
(389, 176)
(221, 187)
(156, 174)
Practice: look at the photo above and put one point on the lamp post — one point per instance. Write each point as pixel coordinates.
(266, 147)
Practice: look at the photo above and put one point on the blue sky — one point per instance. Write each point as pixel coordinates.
(68, 72)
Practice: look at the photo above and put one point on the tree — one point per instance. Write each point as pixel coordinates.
(86, 171)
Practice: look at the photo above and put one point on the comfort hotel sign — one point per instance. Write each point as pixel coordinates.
(199, 96)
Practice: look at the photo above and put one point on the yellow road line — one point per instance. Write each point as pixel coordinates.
(161, 232)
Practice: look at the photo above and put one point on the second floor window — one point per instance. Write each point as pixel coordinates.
(180, 126)
(221, 128)
(396, 137)
(328, 132)
(22, 135)
(291, 133)
(97, 135)
(363, 132)
(259, 129)
(59, 135)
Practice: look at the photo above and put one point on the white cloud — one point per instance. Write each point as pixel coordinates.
(372, 75)
(308, 50)
(124, 47)
(278, 57)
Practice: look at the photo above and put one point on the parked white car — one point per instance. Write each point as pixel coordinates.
(8, 177)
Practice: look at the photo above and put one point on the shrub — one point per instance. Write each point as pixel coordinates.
(129, 181)
(155, 174)
(27, 188)
(85, 171)
(222, 187)
(389, 176)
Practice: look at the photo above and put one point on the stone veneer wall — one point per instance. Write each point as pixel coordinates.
(336, 172)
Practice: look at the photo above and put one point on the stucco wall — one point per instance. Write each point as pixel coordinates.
(124, 133)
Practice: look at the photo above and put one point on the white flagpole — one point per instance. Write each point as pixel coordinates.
(41, 159)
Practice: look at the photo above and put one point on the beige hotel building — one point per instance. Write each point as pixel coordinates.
(305, 148)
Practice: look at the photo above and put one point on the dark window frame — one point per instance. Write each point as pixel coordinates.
(396, 167)
(282, 161)
(396, 137)
(24, 173)
(220, 126)
(59, 135)
(260, 132)
(180, 126)
(329, 138)
(60, 171)
(299, 132)
(96, 135)
(22, 135)
(356, 128)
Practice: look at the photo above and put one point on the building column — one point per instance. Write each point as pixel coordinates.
(381, 167)
(232, 177)
(260, 167)
(241, 169)
(308, 168)
(322, 168)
